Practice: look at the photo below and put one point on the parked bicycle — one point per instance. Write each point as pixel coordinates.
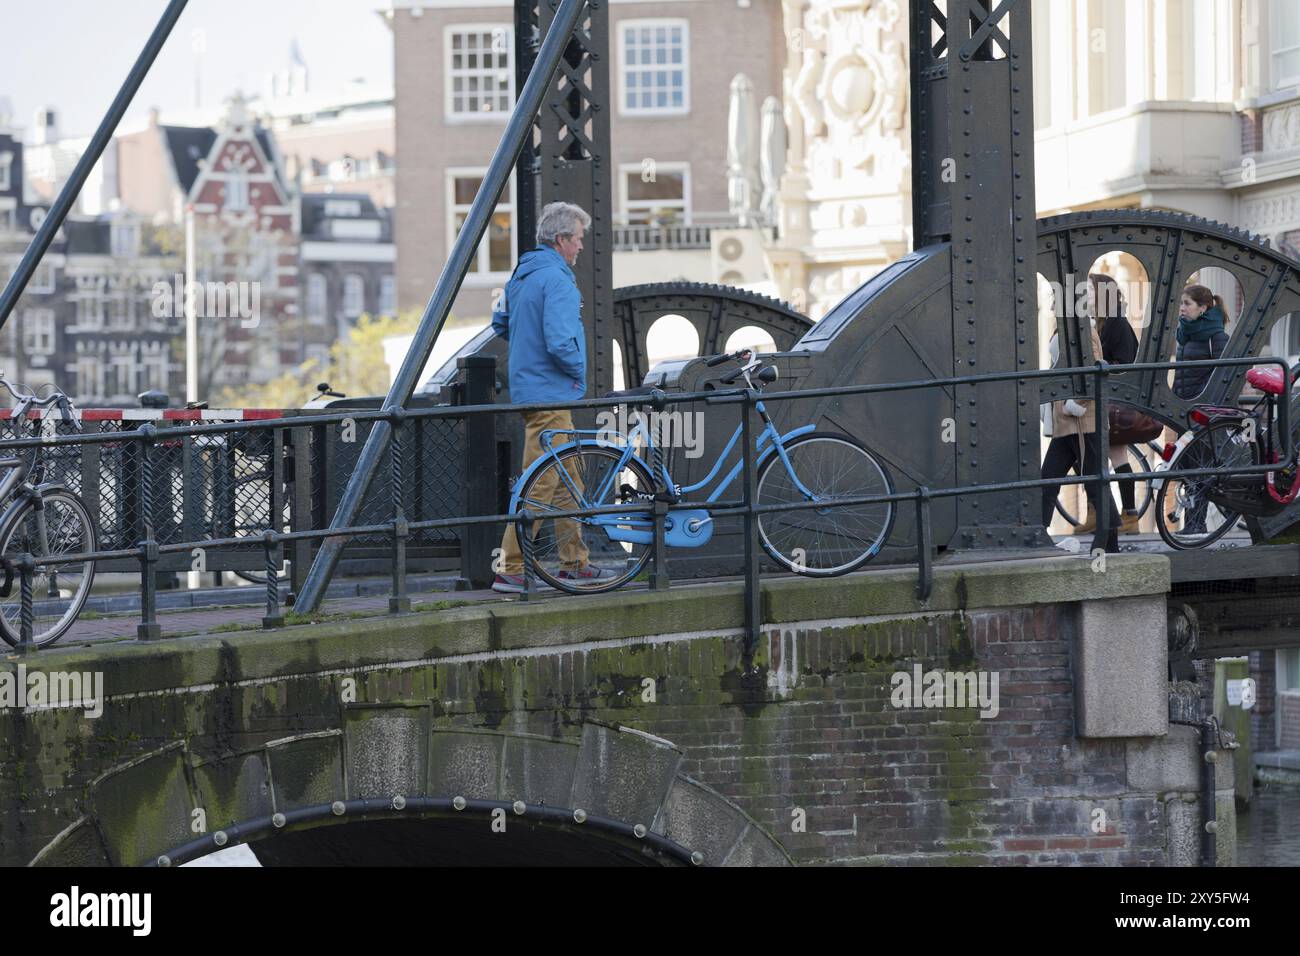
(1196, 512)
(802, 465)
(252, 497)
(45, 520)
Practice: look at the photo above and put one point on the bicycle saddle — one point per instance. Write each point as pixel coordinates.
(1266, 379)
(641, 391)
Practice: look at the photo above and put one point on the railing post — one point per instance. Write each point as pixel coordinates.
(1101, 536)
(300, 506)
(753, 595)
(26, 568)
(924, 566)
(399, 601)
(524, 535)
(482, 481)
(148, 629)
(274, 616)
(659, 577)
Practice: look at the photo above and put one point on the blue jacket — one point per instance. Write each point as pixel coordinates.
(540, 315)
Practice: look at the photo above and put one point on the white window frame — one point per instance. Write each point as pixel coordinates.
(1275, 37)
(44, 279)
(669, 167)
(623, 67)
(121, 370)
(90, 311)
(38, 332)
(317, 318)
(481, 276)
(124, 240)
(89, 370)
(354, 281)
(236, 191)
(450, 114)
(121, 310)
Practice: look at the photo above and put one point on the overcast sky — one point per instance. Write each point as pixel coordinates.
(74, 54)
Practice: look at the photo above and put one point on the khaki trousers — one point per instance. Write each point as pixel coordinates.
(549, 489)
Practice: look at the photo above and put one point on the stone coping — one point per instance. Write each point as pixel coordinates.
(514, 628)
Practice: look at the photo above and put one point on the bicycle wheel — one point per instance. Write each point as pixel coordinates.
(1138, 461)
(1144, 457)
(1185, 516)
(58, 592)
(1061, 509)
(824, 542)
(568, 553)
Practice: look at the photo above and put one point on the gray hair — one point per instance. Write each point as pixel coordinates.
(560, 219)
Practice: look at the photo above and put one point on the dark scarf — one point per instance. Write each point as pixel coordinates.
(1203, 329)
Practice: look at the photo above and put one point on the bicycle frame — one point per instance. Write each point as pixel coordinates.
(769, 437)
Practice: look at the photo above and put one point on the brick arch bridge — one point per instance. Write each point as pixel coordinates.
(796, 748)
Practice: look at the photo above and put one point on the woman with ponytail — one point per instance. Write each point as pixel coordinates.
(1201, 335)
(1202, 324)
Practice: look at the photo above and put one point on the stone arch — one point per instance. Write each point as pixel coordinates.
(637, 805)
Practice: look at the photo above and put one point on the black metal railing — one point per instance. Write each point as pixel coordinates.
(476, 430)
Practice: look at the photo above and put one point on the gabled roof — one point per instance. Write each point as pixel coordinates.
(187, 145)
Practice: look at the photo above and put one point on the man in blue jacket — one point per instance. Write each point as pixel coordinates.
(540, 315)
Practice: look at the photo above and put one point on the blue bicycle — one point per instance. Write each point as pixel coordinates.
(591, 554)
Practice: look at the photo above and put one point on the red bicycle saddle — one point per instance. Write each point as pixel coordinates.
(1267, 379)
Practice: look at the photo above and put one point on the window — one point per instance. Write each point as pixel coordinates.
(1284, 28)
(43, 278)
(480, 75)
(655, 67)
(124, 240)
(121, 312)
(88, 377)
(90, 310)
(1289, 669)
(316, 298)
(121, 375)
(387, 295)
(655, 194)
(354, 295)
(7, 220)
(38, 331)
(237, 191)
(495, 254)
(6, 160)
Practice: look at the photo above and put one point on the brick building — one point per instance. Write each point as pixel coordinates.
(672, 64)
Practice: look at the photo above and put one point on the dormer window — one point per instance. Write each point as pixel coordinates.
(124, 240)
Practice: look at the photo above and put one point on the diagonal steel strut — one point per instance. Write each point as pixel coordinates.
(435, 313)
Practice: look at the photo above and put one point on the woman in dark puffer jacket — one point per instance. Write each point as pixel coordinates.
(1202, 335)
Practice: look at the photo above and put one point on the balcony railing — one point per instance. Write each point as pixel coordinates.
(643, 237)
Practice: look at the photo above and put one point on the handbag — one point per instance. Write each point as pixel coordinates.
(1128, 426)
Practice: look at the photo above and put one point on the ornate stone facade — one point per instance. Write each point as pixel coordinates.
(845, 199)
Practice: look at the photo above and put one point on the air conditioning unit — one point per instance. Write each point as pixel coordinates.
(738, 256)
